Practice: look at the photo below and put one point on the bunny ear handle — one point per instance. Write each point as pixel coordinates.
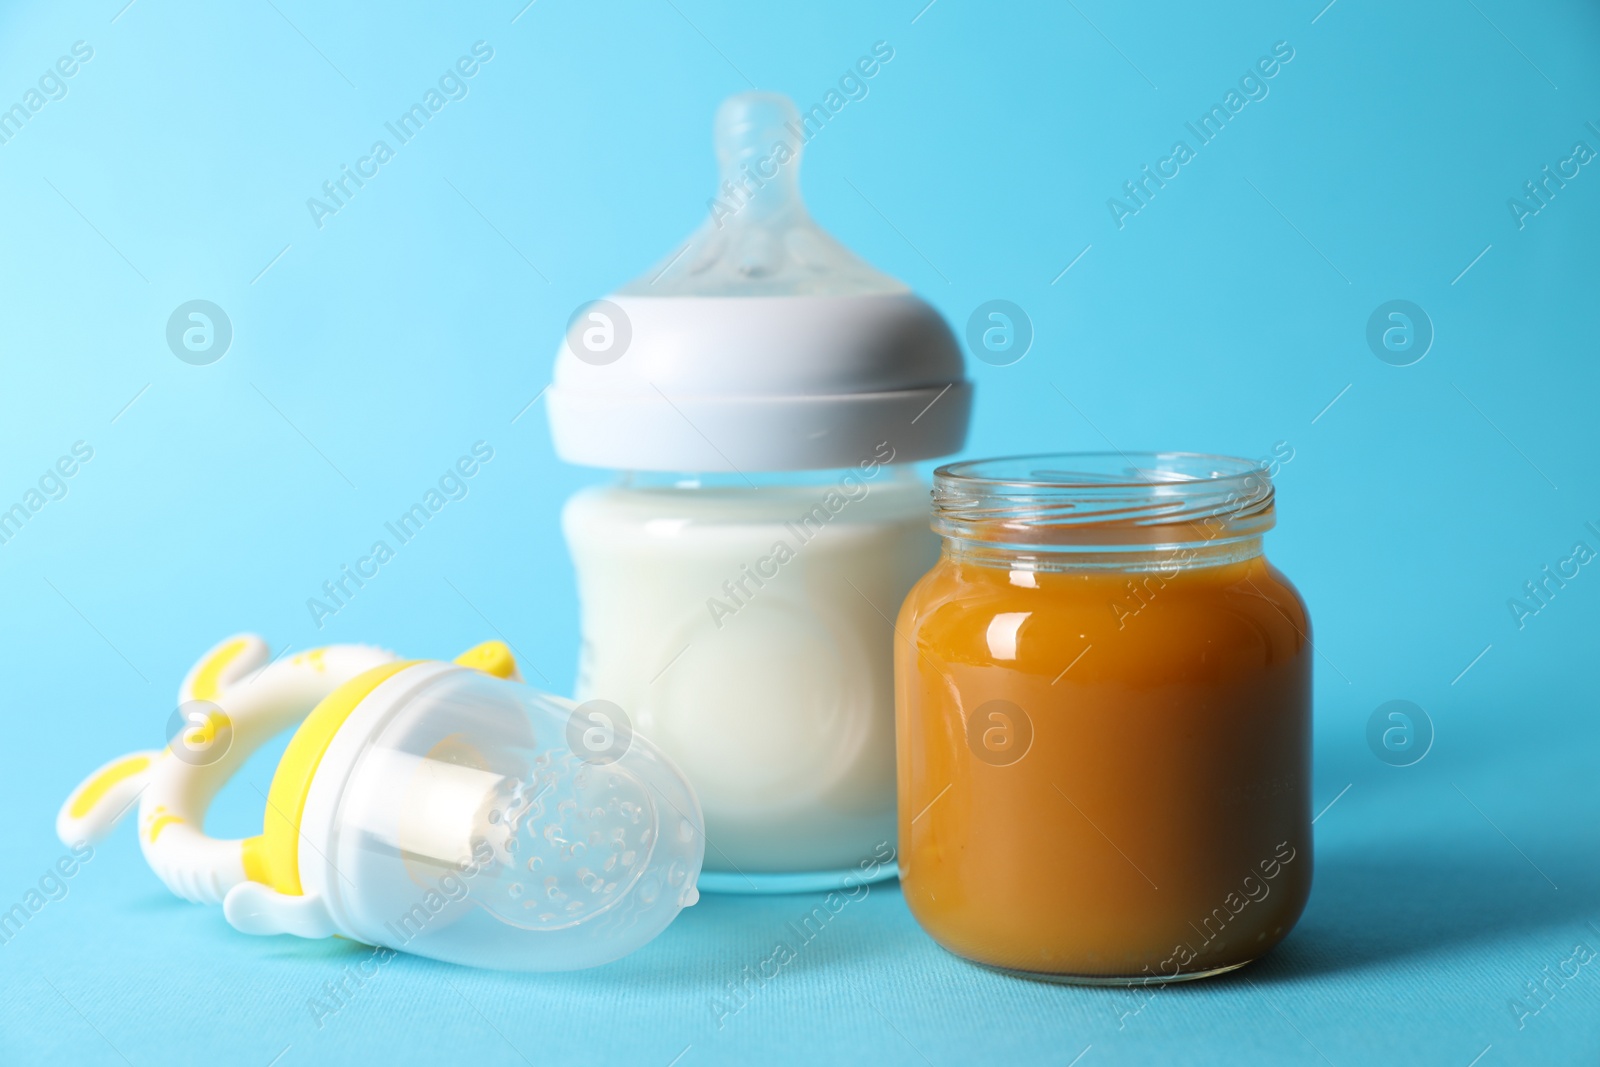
(230, 703)
(103, 798)
(100, 801)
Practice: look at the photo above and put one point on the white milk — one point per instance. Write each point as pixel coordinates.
(747, 632)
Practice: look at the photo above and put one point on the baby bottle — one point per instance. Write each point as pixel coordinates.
(442, 809)
(762, 393)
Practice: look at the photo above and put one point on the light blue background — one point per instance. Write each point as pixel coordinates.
(1225, 316)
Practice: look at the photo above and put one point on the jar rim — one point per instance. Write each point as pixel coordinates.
(1138, 468)
(1104, 499)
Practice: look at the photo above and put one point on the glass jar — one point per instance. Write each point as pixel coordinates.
(1103, 699)
(741, 621)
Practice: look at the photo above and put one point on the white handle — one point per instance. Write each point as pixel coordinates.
(103, 798)
(232, 704)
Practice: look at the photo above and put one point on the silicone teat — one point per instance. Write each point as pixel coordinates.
(760, 240)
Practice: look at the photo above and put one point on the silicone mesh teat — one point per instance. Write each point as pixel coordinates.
(760, 240)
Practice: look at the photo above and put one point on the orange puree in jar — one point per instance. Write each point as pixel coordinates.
(1104, 722)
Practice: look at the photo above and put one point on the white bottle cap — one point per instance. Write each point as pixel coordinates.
(760, 344)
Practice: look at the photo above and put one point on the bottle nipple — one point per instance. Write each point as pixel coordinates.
(759, 239)
(759, 158)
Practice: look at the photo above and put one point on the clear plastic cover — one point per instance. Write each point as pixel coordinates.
(759, 239)
(471, 831)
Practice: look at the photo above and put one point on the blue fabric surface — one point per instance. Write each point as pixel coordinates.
(1228, 313)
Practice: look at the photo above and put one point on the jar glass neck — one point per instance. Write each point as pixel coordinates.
(1152, 511)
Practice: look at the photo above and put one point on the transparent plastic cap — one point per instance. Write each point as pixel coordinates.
(759, 239)
(470, 831)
